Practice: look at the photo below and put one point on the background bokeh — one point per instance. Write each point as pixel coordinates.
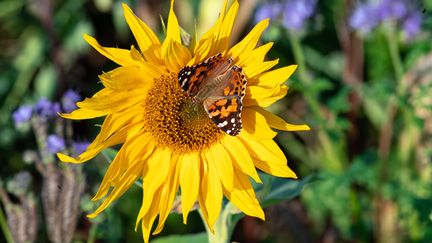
(364, 85)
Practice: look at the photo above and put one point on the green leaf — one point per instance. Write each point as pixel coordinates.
(45, 82)
(32, 51)
(189, 238)
(330, 64)
(8, 8)
(74, 43)
(283, 189)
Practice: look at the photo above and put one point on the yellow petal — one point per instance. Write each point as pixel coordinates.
(219, 157)
(120, 56)
(275, 77)
(254, 57)
(207, 43)
(127, 179)
(126, 78)
(126, 123)
(148, 42)
(211, 190)
(155, 172)
(243, 196)
(222, 40)
(255, 124)
(117, 138)
(278, 123)
(149, 218)
(253, 70)
(152, 70)
(80, 114)
(114, 101)
(168, 194)
(264, 101)
(189, 181)
(249, 42)
(267, 156)
(261, 92)
(138, 147)
(116, 122)
(176, 56)
(173, 30)
(240, 156)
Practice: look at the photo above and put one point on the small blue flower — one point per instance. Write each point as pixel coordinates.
(22, 115)
(364, 18)
(296, 12)
(55, 143)
(412, 25)
(268, 10)
(80, 147)
(392, 9)
(403, 13)
(46, 108)
(69, 100)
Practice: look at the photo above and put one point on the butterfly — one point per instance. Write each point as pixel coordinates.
(220, 86)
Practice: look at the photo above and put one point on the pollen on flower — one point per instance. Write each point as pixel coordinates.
(175, 121)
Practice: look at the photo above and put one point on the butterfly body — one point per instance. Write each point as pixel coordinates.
(219, 86)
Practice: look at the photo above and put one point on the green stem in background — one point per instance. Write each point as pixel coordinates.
(298, 56)
(302, 69)
(92, 233)
(5, 228)
(392, 107)
(394, 53)
(312, 99)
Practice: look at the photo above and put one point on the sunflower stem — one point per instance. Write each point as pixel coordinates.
(223, 226)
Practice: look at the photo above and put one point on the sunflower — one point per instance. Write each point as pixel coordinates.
(170, 139)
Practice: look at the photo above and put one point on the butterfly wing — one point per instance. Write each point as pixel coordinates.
(225, 112)
(192, 77)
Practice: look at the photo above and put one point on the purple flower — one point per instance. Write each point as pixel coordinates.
(412, 25)
(55, 143)
(22, 115)
(364, 18)
(268, 10)
(392, 9)
(69, 100)
(46, 108)
(80, 147)
(296, 12)
(402, 12)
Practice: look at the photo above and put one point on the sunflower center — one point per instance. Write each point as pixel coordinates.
(175, 121)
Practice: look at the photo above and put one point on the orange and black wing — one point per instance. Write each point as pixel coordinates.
(226, 112)
(191, 77)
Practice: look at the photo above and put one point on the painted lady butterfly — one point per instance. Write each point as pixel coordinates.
(220, 86)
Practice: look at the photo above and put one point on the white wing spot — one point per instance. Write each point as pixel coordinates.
(222, 124)
(232, 120)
